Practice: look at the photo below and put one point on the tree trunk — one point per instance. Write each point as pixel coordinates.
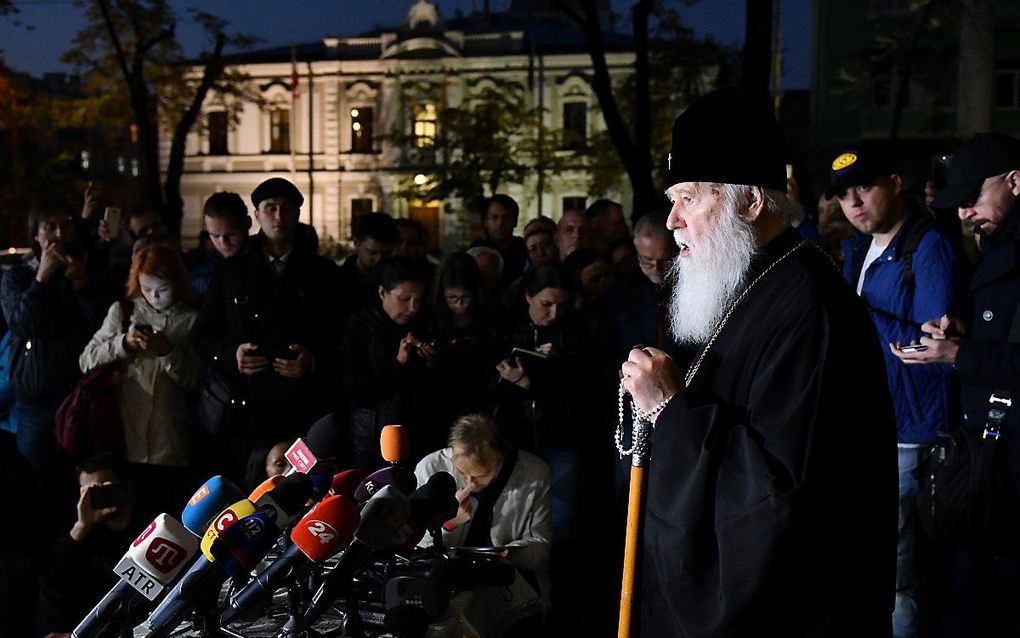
(173, 211)
(148, 140)
(754, 79)
(635, 153)
(907, 70)
(976, 74)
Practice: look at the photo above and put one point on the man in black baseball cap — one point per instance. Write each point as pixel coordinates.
(983, 184)
(751, 485)
(982, 181)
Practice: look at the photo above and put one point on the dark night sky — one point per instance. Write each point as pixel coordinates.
(55, 22)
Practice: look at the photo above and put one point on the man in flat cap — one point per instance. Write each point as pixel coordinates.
(983, 184)
(268, 328)
(771, 507)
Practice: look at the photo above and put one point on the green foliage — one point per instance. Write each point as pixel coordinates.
(495, 136)
(681, 68)
(134, 40)
(903, 65)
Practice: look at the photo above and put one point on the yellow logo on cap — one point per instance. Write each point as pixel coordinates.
(844, 160)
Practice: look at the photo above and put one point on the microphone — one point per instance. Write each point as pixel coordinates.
(395, 443)
(398, 477)
(317, 448)
(234, 543)
(208, 501)
(265, 486)
(381, 518)
(150, 564)
(346, 482)
(317, 537)
(431, 505)
(286, 500)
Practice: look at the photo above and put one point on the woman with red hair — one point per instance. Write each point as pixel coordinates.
(153, 347)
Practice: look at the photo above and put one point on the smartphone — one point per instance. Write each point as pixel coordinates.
(789, 171)
(273, 352)
(913, 348)
(527, 353)
(112, 495)
(112, 217)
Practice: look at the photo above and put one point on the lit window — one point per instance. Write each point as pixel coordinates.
(575, 125)
(279, 131)
(425, 126)
(218, 133)
(362, 131)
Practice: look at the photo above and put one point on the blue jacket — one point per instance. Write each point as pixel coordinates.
(923, 395)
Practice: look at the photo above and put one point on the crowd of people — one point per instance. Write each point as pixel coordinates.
(503, 361)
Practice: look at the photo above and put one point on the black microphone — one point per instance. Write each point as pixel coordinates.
(382, 517)
(432, 504)
(317, 537)
(309, 455)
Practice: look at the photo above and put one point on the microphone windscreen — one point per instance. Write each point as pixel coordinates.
(395, 443)
(326, 529)
(163, 548)
(346, 483)
(436, 500)
(242, 545)
(396, 476)
(324, 438)
(264, 487)
(382, 517)
(286, 500)
(223, 521)
(208, 501)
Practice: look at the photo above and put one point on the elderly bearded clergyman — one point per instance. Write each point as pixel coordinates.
(771, 507)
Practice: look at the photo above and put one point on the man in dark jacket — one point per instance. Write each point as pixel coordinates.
(53, 307)
(375, 236)
(771, 506)
(984, 186)
(268, 325)
(906, 271)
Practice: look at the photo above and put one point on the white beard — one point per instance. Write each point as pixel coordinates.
(709, 278)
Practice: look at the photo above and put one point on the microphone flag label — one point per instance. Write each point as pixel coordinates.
(301, 457)
(199, 495)
(138, 578)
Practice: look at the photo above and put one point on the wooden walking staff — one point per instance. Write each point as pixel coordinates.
(640, 453)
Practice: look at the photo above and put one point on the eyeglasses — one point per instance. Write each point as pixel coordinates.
(459, 299)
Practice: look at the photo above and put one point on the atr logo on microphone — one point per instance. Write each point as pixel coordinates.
(301, 457)
(145, 534)
(165, 555)
(199, 495)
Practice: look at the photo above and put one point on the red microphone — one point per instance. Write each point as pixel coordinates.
(346, 482)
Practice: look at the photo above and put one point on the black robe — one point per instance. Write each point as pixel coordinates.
(772, 499)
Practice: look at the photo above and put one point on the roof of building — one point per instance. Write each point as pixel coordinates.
(527, 27)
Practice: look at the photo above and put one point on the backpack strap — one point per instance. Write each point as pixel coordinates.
(915, 232)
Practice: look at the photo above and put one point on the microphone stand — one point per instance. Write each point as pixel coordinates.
(640, 458)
